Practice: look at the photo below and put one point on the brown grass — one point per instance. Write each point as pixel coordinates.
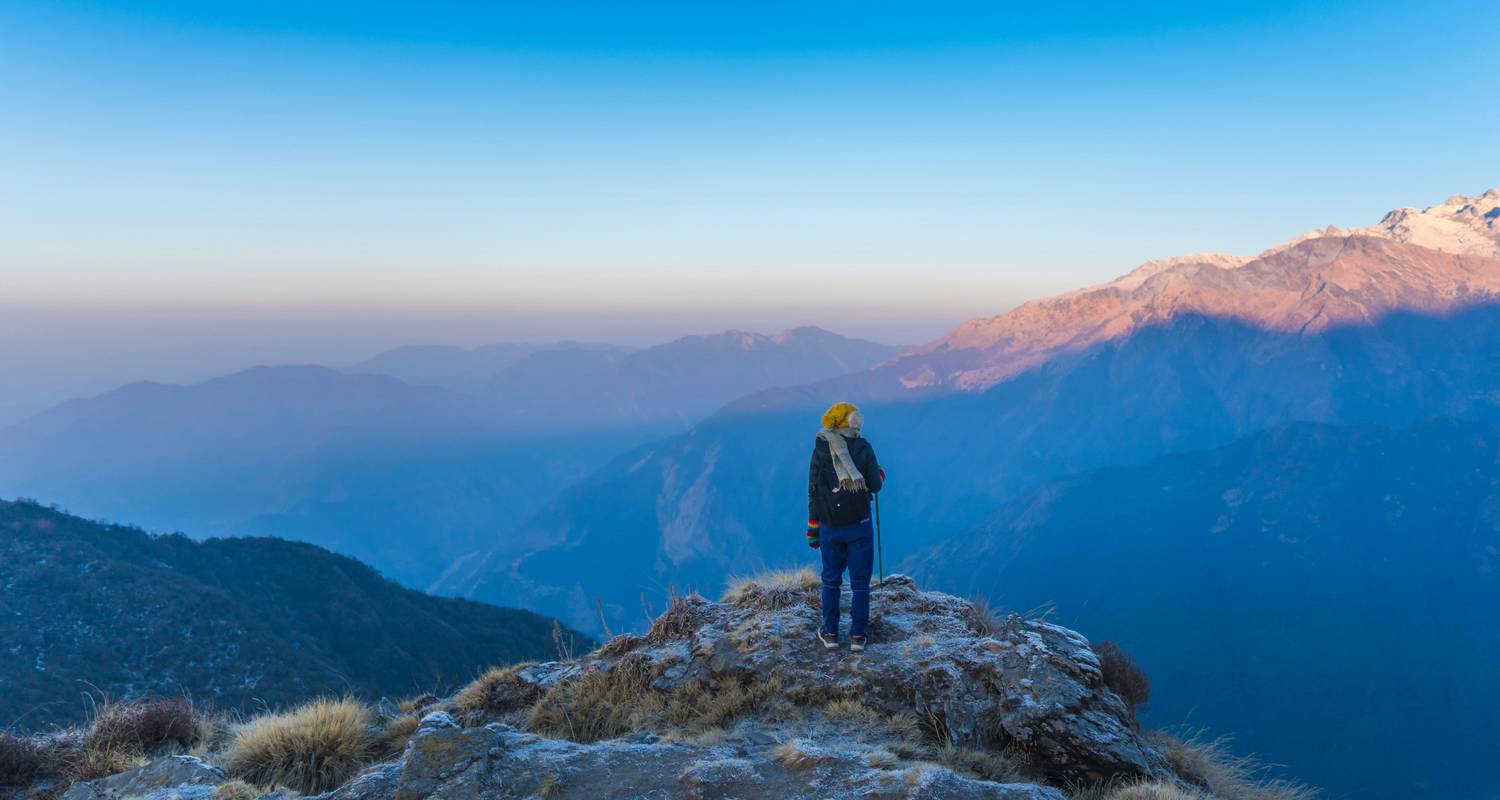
(988, 765)
(981, 618)
(20, 760)
(143, 726)
(119, 737)
(235, 790)
(91, 764)
(1142, 790)
(985, 764)
(597, 705)
(904, 725)
(797, 754)
(849, 709)
(1123, 676)
(412, 705)
(620, 645)
(709, 737)
(392, 739)
(679, 621)
(769, 591)
(1211, 765)
(312, 749)
(880, 759)
(499, 689)
(606, 704)
(696, 707)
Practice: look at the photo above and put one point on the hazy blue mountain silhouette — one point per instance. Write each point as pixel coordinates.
(461, 369)
(406, 478)
(1328, 592)
(689, 510)
(365, 465)
(677, 383)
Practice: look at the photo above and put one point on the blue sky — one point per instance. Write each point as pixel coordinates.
(888, 169)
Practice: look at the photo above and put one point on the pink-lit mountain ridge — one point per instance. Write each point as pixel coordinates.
(1430, 260)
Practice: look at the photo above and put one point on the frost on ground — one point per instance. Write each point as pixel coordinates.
(736, 699)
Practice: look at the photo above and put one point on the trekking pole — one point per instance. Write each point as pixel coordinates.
(879, 555)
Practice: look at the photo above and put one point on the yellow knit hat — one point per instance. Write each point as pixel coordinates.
(837, 415)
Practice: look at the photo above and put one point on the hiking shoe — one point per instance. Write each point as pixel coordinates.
(856, 643)
(829, 640)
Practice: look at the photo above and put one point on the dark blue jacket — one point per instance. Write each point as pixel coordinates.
(834, 508)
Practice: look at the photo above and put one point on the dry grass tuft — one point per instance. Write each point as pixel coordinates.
(20, 760)
(606, 704)
(1142, 790)
(119, 738)
(710, 737)
(90, 763)
(797, 754)
(769, 591)
(696, 707)
(988, 765)
(1211, 765)
(392, 739)
(904, 726)
(1123, 676)
(850, 709)
(679, 621)
(413, 705)
(981, 618)
(932, 721)
(985, 764)
(499, 689)
(235, 790)
(143, 726)
(596, 706)
(620, 645)
(880, 759)
(312, 749)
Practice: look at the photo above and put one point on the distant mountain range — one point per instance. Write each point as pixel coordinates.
(1348, 575)
(579, 387)
(369, 464)
(1390, 325)
(88, 608)
(675, 384)
(1187, 354)
(1434, 261)
(461, 369)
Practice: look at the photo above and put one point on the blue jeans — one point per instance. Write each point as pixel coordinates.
(852, 546)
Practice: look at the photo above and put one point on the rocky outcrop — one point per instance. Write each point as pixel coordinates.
(737, 698)
(173, 777)
(941, 677)
(496, 760)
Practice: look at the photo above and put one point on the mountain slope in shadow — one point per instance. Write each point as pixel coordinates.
(1347, 575)
(235, 623)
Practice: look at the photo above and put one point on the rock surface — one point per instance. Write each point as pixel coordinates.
(173, 777)
(738, 699)
(498, 761)
(1020, 692)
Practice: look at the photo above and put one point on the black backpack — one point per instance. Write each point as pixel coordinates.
(837, 508)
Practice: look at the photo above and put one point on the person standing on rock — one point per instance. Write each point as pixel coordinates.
(840, 482)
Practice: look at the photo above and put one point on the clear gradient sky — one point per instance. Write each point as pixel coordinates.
(204, 184)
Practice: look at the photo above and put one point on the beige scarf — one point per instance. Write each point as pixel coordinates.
(850, 479)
